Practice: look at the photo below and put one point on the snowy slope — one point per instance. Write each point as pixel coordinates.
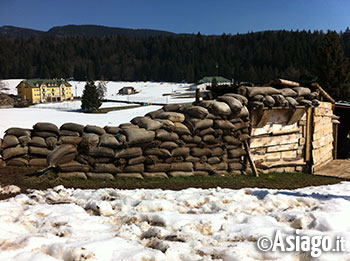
(192, 224)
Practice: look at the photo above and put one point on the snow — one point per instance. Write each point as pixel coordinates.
(192, 224)
(69, 111)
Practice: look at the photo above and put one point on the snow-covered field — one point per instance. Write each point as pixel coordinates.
(59, 113)
(192, 224)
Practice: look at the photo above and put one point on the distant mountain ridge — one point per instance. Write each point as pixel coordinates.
(81, 30)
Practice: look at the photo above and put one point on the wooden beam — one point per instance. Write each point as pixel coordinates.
(250, 159)
(309, 134)
(323, 92)
(282, 82)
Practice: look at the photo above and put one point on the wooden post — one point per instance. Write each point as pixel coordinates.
(250, 159)
(198, 94)
(308, 143)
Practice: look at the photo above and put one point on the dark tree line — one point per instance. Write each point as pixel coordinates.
(255, 57)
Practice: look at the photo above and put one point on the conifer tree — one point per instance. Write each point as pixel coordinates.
(333, 67)
(91, 99)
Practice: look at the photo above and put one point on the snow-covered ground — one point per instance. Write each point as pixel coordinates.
(192, 224)
(59, 113)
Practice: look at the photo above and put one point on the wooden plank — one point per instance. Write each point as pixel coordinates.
(274, 140)
(281, 163)
(250, 159)
(264, 118)
(283, 147)
(335, 140)
(275, 129)
(309, 126)
(296, 116)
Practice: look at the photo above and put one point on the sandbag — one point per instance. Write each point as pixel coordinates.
(172, 116)
(202, 167)
(102, 152)
(181, 166)
(129, 153)
(315, 103)
(70, 126)
(235, 104)
(214, 160)
(129, 175)
(159, 167)
(292, 102)
(24, 140)
(244, 136)
(85, 159)
(46, 127)
(51, 142)
(236, 153)
(198, 152)
(55, 156)
(112, 130)
(191, 139)
(239, 97)
(217, 152)
(235, 166)
(181, 128)
(269, 101)
(196, 112)
(147, 123)
(244, 113)
(220, 108)
(312, 96)
(39, 162)
(160, 153)
(155, 175)
(169, 145)
(167, 125)
(172, 107)
(94, 129)
(280, 100)
(210, 139)
(201, 124)
(259, 98)
(73, 166)
(180, 152)
(252, 91)
(108, 140)
(38, 142)
(155, 114)
(206, 132)
(10, 141)
(92, 175)
(135, 136)
(256, 105)
(220, 166)
(180, 174)
(39, 151)
(69, 140)
(44, 134)
(103, 160)
(200, 173)
(18, 162)
(136, 160)
(164, 135)
(192, 159)
(288, 92)
(105, 168)
(90, 141)
(128, 126)
(302, 91)
(139, 168)
(306, 103)
(14, 152)
(72, 175)
(69, 133)
(223, 124)
(121, 138)
(18, 132)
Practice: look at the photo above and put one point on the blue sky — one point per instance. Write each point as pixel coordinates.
(181, 16)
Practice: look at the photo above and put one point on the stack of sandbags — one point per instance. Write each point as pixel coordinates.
(15, 146)
(43, 141)
(279, 96)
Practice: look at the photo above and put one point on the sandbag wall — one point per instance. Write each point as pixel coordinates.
(178, 140)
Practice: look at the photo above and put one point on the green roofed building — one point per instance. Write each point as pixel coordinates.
(44, 90)
(206, 82)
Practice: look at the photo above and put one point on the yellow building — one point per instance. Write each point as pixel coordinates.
(42, 90)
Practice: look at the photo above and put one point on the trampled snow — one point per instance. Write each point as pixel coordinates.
(69, 111)
(192, 224)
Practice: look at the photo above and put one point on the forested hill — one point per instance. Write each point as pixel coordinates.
(255, 57)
